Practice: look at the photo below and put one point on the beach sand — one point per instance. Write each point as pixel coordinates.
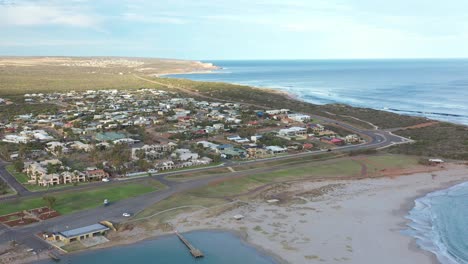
(335, 222)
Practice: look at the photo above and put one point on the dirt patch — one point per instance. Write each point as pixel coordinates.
(28, 217)
(21, 222)
(427, 124)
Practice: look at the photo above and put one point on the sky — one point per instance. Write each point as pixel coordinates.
(241, 29)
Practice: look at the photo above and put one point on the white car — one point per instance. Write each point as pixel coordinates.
(105, 180)
(126, 214)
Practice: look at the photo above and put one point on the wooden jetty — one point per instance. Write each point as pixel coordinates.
(54, 255)
(196, 253)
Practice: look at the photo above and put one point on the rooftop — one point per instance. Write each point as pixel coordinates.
(84, 230)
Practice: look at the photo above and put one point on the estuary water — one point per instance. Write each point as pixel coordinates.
(433, 88)
(217, 246)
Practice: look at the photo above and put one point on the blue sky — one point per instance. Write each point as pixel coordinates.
(242, 29)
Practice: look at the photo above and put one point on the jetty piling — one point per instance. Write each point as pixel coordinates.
(196, 253)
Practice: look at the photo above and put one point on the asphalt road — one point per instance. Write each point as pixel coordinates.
(113, 212)
(11, 181)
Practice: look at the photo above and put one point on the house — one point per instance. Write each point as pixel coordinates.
(154, 151)
(276, 149)
(316, 128)
(256, 152)
(277, 111)
(78, 145)
(224, 146)
(299, 117)
(337, 141)
(207, 144)
(71, 177)
(81, 233)
(307, 146)
(41, 135)
(292, 131)
(218, 126)
(185, 155)
(56, 148)
(352, 138)
(96, 174)
(129, 141)
(230, 153)
(15, 139)
(233, 138)
(165, 165)
(327, 133)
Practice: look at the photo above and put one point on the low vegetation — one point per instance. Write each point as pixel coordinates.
(443, 140)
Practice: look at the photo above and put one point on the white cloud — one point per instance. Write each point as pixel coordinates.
(156, 18)
(40, 13)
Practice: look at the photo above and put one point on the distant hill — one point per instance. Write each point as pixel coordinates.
(33, 74)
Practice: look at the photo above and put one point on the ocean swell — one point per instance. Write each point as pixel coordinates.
(439, 222)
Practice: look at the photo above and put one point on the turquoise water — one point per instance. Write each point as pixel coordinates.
(218, 247)
(439, 222)
(437, 89)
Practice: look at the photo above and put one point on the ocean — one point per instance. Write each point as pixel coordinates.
(439, 222)
(433, 88)
(217, 246)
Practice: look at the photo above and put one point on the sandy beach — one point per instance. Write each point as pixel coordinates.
(340, 221)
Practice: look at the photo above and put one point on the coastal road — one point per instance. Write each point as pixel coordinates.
(113, 212)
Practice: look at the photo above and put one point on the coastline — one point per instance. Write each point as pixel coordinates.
(368, 210)
(434, 115)
(366, 193)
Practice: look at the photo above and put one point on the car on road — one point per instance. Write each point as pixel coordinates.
(127, 214)
(105, 180)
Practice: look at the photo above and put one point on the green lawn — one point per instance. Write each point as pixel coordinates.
(72, 201)
(20, 177)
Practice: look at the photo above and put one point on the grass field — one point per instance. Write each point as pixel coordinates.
(194, 175)
(308, 171)
(249, 166)
(73, 201)
(20, 176)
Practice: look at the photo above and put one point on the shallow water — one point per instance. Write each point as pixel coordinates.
(439, 222)
(217, 246)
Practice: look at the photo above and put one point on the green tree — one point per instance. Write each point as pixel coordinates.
(50, 200)
(3, 187)
(19, 165)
